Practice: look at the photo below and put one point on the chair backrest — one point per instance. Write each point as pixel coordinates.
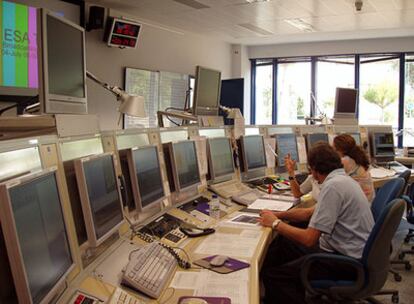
(406, 176)
(389, 191)
(376, 252)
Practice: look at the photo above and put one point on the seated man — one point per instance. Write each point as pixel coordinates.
(340, 223)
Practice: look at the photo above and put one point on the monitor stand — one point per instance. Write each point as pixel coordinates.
(345, 121)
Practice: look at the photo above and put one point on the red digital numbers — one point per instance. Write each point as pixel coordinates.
(123, 41)
(124, 34)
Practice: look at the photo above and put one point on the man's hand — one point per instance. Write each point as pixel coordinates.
(267, 218)
(290, 165)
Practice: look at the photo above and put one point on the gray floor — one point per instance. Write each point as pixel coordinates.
(406, 286)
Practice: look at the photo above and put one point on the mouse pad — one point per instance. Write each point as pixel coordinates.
(209, 300)
(229, 266)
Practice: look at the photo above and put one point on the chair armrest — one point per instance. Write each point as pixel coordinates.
(335, 258)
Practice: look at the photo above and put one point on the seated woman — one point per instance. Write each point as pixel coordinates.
(355, 163)
(310, 185)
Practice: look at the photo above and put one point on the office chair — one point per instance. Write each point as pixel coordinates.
(409, 199)
(389, 191)
(371, 270)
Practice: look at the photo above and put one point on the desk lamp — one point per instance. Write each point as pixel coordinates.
(130, 104)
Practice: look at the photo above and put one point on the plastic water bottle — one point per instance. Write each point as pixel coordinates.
(214, 207)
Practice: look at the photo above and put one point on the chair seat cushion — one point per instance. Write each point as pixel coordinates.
(326, 284)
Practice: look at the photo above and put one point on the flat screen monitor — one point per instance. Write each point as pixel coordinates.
(145, 172)
(36, 236)
(383, 145)
(313, 138)
(346, 102)
(286, 144)
(254, 152)
(100, 198)
(206, 91)
(220, 159)
(62, 65)
(357, 137)
(182, 166)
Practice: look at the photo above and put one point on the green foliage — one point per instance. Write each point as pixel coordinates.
(300, 108)
(382, 95)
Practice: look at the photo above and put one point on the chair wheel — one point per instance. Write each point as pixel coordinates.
(397, 277)
(401, 256)
(408, 266)
(407, 239)
(395, 299)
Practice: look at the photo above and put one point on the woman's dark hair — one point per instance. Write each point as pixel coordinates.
(346, 144)
(323, 158)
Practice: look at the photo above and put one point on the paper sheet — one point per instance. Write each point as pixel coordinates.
(201, 147)
(228, 244)
(233, 285)
(275, 205)
(270, 157)
(186, 280)
(245, 219)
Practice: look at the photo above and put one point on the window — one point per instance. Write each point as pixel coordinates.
(409, 102)
(379, 83)
(264, 96)
(293, 91)
(332, 72)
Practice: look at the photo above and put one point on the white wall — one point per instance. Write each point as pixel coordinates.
(158, 49)
(405, 44)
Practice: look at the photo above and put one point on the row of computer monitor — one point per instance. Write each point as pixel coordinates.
(32, 218)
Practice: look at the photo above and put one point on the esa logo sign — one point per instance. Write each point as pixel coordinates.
(17, 36)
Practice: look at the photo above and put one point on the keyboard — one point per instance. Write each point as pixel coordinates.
(229, 188)
(262, 181)
(121, 297)
(150, 269)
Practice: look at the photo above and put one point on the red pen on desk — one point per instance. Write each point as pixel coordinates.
(269, 188)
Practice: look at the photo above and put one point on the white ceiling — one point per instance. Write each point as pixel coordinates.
(258, 23)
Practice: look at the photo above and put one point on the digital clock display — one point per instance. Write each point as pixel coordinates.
(124, 33)
(123, 41)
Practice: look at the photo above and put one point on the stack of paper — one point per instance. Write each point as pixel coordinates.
(271, 204)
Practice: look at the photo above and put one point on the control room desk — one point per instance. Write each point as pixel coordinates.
(89, 282)
(379, 182)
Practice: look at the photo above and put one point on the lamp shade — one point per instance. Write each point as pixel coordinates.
(132, 105)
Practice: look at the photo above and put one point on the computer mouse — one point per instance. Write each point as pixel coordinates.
(193, 301)
(219, 260)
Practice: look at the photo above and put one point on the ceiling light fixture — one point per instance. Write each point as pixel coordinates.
(301, 24)
(256, 1)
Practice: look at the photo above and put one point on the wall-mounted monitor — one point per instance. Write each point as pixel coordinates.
(182, 166)
(220, 159)
(100, 198)
(62, 65)
(142, 172)
(346, 103)
(286, 144)
(383, 146)
(206, 91)
(35, 234)
(313, 138)
(252, 155)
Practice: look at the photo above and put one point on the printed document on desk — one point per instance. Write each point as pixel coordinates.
(230, 244)
(274, 205)
(232, 285)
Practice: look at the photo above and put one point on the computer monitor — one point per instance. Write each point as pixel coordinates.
(383, 146)
(313, 138)
(62, 65)
(182, 167)
(346, 103)
(220, 159)
(141, 166)
(35, 234)
(100, 198)
(206, 91)
(286, 144)
(252, 157)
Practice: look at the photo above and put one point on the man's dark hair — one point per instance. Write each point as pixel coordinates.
(323, 158)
